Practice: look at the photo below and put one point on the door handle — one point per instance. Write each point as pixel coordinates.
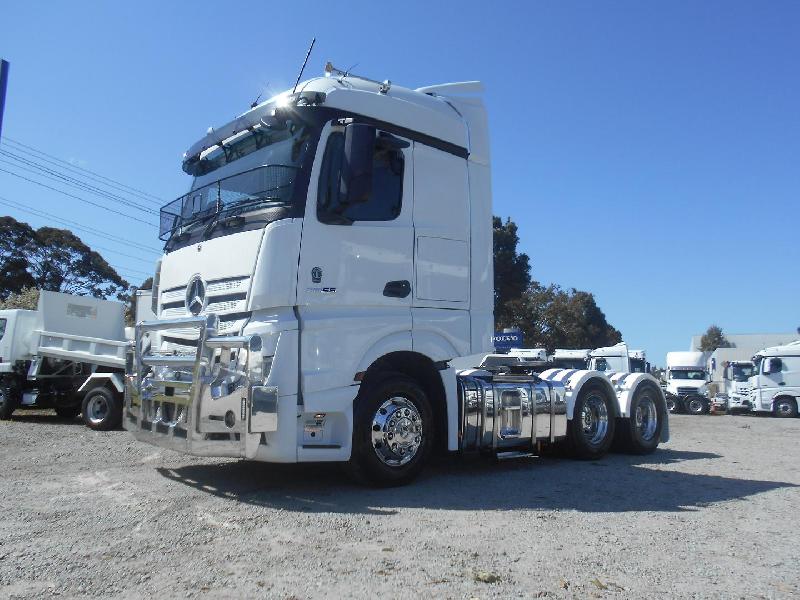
(397, 289)
(781, 383)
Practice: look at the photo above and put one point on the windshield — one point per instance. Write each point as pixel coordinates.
(275, 152)
(742, 373)
(693, 374)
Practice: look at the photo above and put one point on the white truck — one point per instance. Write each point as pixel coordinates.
(333, 256)
(618, 359)
(687, 382)
(775, 386)
(736, 376)
(68, 355)
(566, 358)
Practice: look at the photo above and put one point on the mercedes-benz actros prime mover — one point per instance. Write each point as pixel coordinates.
(332, 257)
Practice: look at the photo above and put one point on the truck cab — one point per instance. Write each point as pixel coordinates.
(775, 386)
(618, 359)
(687, 382)
(736, 375)
(567, 358)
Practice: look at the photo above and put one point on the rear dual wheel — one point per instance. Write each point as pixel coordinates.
(102, 409)
(641, 432)
(591, 429)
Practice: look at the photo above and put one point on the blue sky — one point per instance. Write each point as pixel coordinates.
(649, 151)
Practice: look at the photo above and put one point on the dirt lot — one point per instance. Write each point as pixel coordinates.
(711, 514)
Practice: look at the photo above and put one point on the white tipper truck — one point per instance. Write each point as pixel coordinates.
(68, 355)
(333, 256)
(775, 386)
(687, 382)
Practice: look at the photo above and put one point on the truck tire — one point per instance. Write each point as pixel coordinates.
(673, 403)
(696, 405)
(8, 401)
(591, 429)
(641, 433)
(102, 410)
(68, 412)
(785, 408)
(392, 431)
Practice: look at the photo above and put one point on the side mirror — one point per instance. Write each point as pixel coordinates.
(355, 184)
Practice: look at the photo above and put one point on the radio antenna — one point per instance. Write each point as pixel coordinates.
(303, 68)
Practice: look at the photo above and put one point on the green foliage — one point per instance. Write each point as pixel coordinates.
(549, 316)
(713, 338)
(27, 298)
(54, 260)
(512, 271)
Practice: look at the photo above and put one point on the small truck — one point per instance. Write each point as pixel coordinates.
(68, 355)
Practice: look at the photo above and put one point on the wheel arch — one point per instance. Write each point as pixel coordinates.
(111, 380)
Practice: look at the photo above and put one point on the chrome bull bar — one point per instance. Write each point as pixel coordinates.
(507, 414)
(210, 402)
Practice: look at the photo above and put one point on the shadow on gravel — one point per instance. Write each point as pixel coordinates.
(47, 419)
(618, 483)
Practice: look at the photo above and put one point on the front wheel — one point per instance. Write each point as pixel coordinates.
(641, 433)
(102, 410)
(392, 431)
(591, 429)
(673, 404)
(785, 408)
(695, 405)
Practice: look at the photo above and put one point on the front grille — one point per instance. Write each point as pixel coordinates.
(226, 298)
(687, 391)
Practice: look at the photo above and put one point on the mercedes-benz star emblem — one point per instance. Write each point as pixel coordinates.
(195, 295)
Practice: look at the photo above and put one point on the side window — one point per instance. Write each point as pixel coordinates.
(2, 328)
(385, 201)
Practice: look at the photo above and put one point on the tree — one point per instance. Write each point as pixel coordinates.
(16, 242)
(548, 316)
(54, 260)
(713, 338)
(27, 299)
(512, 271)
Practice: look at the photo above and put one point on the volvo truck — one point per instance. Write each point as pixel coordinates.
(687, 382)
(332, 257)
(775, 386)
(68, 355)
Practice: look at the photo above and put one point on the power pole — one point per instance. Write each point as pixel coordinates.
(3, 84)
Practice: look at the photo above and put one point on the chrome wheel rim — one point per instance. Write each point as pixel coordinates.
(594, 417)
(695, 406)
(97, 409)
(397, 431)
(646, 418)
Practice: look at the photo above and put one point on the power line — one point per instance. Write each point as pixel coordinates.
(59, 177)
(150, 223)
(46, 215)
(96, 176)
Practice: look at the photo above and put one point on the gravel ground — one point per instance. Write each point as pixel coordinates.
(711, 514)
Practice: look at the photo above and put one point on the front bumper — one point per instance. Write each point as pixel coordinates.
(212, 402)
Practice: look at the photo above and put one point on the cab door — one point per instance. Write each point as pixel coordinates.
(356, 263)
